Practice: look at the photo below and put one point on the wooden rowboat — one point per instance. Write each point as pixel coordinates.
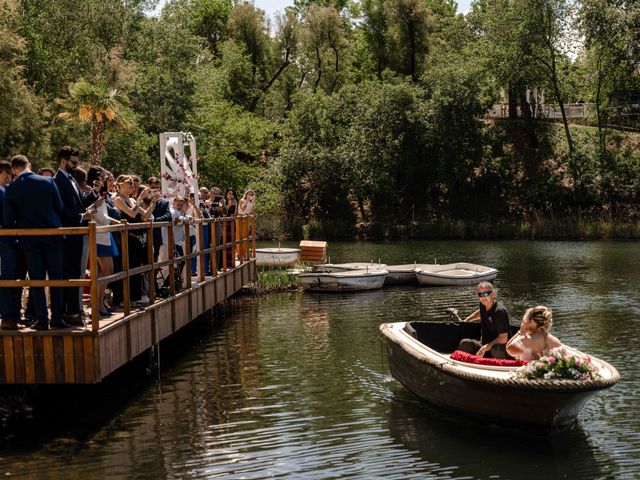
(455, 274)
(349, 281)
(277, 256)
(419, 357)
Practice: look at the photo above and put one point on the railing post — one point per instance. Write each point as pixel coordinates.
(201, 256)
(234, 245)
(93, 275)
(247, 245)
(126, 292)
(214, 254)
(150, 261)
(171, 256)
(187, 252)
(253, 234)
(224, 242)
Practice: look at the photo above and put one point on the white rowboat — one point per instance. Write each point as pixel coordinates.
(347, 281)
(277, 256)
(455, 274)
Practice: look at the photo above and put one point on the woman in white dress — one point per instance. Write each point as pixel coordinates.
(533, 340)
(245, 207)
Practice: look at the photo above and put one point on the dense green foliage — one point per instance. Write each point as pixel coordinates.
(364, 117)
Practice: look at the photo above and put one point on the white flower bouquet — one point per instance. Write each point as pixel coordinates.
(559, 365)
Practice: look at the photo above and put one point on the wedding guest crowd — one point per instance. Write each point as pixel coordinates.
(72, 197)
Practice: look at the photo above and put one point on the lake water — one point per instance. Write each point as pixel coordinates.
(297, 385)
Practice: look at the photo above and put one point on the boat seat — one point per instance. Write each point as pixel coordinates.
(465, 357)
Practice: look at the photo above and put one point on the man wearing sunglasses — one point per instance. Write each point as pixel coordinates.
(494, 325)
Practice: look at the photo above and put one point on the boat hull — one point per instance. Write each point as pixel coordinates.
(277, 256)
(341, 282)
(437, 382)
(401, 278)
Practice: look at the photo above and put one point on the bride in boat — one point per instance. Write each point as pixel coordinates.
(533, 340)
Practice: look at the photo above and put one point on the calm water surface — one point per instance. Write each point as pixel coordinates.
(297, 386)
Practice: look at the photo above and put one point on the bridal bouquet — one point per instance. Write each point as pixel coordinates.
(559, 365)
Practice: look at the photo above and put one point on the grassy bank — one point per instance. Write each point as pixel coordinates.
(273, 280)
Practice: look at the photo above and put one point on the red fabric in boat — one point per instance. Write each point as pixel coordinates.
(465, 357)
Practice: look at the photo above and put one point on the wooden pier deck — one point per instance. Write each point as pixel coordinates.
(86, 355)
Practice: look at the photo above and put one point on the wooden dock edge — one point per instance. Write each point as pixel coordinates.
(87, 357)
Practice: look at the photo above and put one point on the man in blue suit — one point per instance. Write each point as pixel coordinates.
(33, 201)
(12, 264)
(74, 214)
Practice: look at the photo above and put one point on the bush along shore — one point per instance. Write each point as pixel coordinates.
(537, 229)
(274, 280)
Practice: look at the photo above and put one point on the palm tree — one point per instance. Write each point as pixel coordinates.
(96, 103)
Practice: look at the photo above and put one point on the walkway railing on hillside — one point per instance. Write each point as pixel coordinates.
(242, 246)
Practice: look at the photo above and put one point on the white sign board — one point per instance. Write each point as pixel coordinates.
(178, 164)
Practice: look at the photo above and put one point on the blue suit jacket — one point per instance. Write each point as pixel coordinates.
(32, 201)
(73, 204)
(1, 206)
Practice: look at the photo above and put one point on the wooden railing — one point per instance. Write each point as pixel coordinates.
(243, 248)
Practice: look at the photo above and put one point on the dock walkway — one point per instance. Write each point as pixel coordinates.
(86, 355)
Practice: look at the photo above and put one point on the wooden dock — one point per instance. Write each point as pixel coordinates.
(86, 355)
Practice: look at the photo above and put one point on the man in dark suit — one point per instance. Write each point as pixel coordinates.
(75, 213)
(12, 264)
(33, 201)
(161, 213)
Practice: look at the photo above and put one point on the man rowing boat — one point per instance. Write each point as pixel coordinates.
(494, 322)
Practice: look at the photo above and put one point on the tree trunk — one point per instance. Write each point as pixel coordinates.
(565, 121)
(513, 102)
(97, 142)
(526, 116)
(319, 57)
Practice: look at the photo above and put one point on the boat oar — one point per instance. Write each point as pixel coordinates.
(453, 314)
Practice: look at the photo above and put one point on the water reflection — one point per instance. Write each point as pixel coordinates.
(473, 450)
(297, 385)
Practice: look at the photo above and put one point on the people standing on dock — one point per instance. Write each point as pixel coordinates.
(194, 212)
(218, 210)
(12, 263)
(245, 207)
(205, 208)
(134, 212)
(75, 213)
(179, 218)
(494, 322)
(161, 213)
(106, 214)
(33, 201)
(231, 198)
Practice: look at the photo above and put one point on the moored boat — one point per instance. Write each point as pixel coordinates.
(277, 256)
(401, 274)
(348, 267)
(347, 281)
(461, 273)
(419, 356)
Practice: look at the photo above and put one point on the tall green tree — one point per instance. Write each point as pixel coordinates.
(411, 23)
(209, 20)
(24, 115)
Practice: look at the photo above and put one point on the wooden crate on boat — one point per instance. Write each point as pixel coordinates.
(313, 251)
